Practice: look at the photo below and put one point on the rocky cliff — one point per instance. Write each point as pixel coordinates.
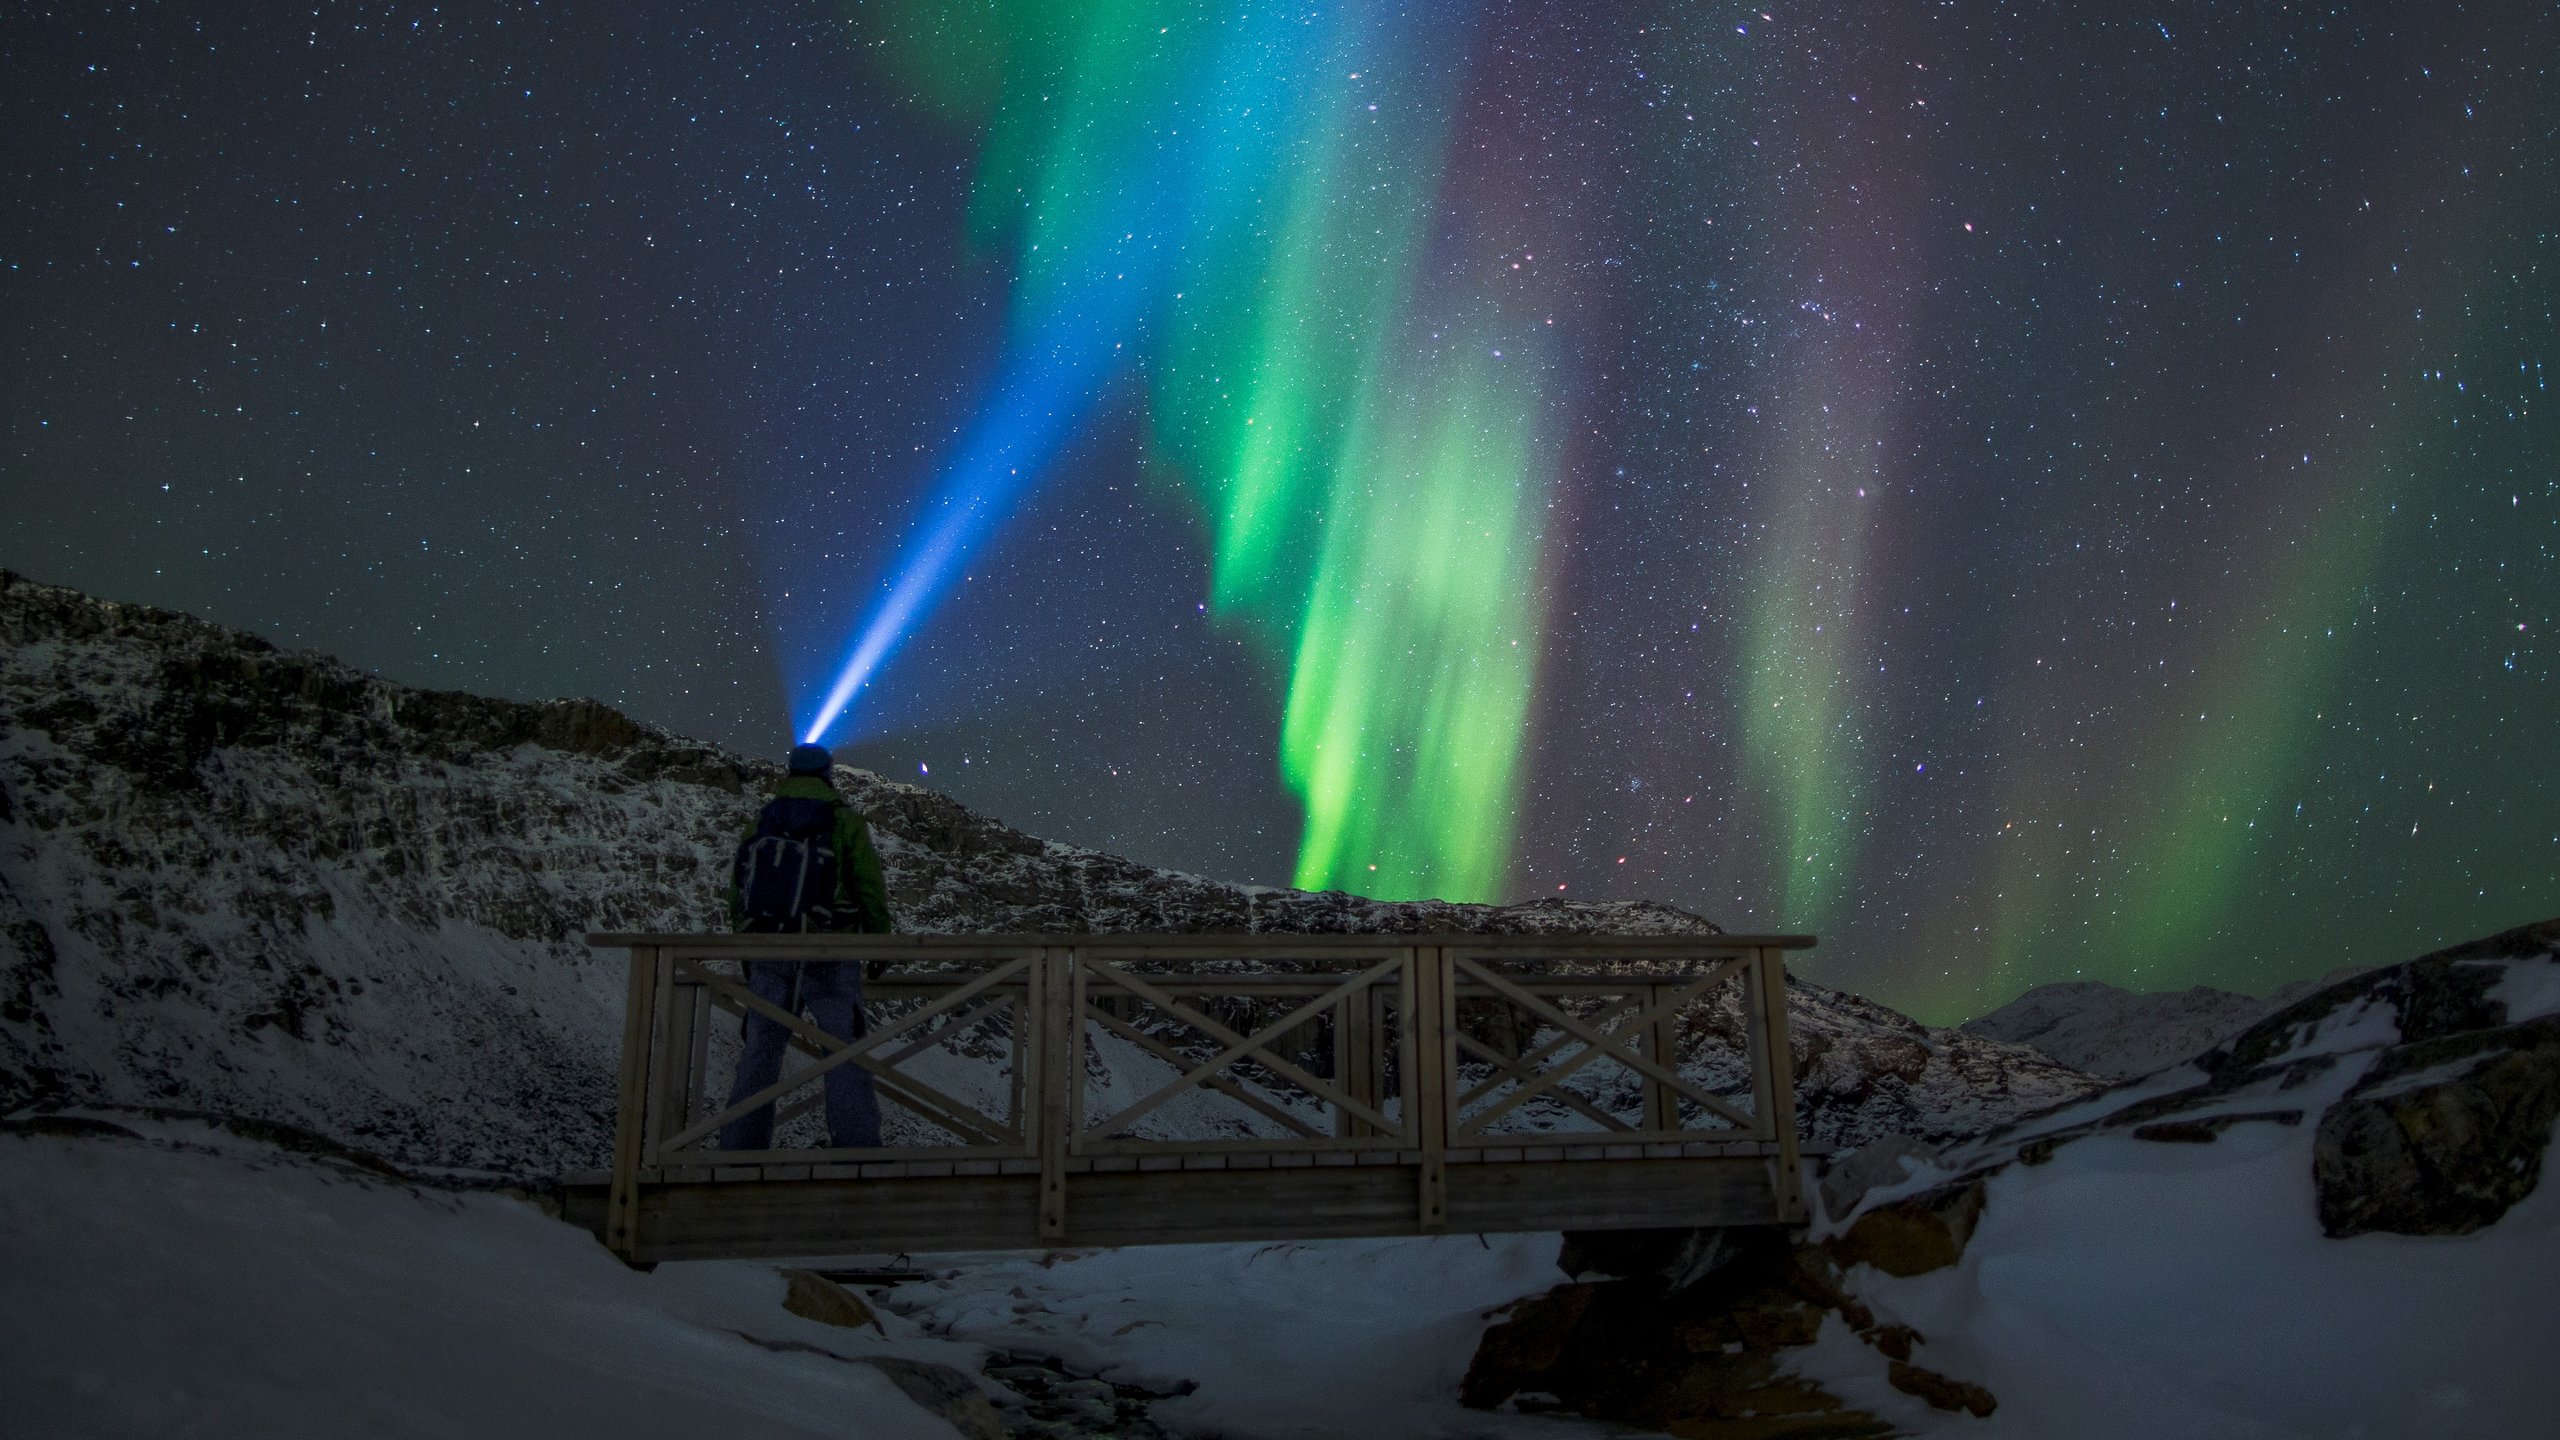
(238, 879)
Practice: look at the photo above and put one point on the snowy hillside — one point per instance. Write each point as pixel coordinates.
(2123, 1034)
(2103, 1029)
(240, 880)
(2336, 1223)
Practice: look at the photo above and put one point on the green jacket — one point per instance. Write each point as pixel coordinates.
(861, 895)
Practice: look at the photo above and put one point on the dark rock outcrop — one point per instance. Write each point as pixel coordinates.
(2442, 1136)
(1915, 1234)
(1691, 1339)
(1701, 1361)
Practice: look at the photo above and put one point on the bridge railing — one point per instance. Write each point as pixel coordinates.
(1054, 1056)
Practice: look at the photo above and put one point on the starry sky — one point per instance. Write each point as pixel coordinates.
(2023, 492)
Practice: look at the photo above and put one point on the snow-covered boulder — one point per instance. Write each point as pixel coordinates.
(2447, 1130)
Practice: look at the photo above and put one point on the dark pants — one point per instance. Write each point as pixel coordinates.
(831, 994)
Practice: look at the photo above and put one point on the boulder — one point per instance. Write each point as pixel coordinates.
(815, 1297)
(1916, 1234)
(1941, 1391)
(2442, 1135)
(945, 1390)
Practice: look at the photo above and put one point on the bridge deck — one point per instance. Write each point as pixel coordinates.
(1376, 1086)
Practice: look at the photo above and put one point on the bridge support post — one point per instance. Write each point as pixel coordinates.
(1434, 1028)
(1057, 1073)
(1775, 1063)
(639, 1029)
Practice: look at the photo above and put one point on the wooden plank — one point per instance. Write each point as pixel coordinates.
(1436, 1003)
(887, 1154)
(670, 1057)
(1060, 1077)
(621, 1234)
(1661, 1107)
(974, 1212)
(1771, 965)
(1351, 1046)
(1609, 1195)
(840, 1216)
(699, 1065)
(1755, 1037)
(1235, 1147)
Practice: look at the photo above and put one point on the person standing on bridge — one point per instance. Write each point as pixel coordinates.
(807, 864)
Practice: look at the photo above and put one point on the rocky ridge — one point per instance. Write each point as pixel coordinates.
(2123, 1034)
(242, 880)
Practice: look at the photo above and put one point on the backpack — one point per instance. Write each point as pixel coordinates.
(786, 871)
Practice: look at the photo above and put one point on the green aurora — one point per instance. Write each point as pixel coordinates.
(1916, 717)
(1360, 423)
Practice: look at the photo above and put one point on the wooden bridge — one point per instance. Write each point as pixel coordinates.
(1137, 1089)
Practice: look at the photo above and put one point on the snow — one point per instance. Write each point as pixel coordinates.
(2530, 989)
(197, 1286)
(1335, 1339)
(2093, 1026)
(193, 1283)
(2134, 1289)
(2127, 1288)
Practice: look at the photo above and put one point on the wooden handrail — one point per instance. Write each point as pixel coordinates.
(1409, 1083)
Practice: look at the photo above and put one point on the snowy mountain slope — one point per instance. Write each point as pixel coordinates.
(2122, 1034)
(2106, 1030)
(2338, 1222)
(241, 880)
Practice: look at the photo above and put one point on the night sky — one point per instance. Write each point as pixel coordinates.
(2022, 491)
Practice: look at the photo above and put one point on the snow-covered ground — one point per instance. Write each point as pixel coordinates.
(1282, 1341)
(2130, 1288)
(191, 1283)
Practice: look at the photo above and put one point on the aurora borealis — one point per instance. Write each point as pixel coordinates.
(2022, 492)
(1242, 206)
